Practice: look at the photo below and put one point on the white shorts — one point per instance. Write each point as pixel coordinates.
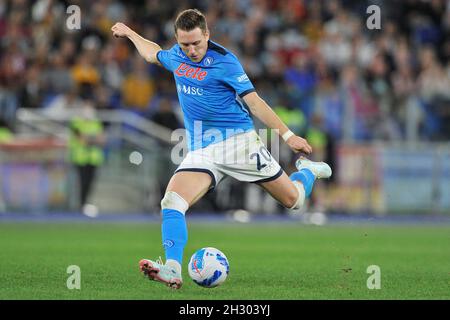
(242, 156)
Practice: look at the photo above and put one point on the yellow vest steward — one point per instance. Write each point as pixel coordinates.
(82, 153)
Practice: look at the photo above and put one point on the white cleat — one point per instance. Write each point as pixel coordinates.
(319, 169)
(157, 271)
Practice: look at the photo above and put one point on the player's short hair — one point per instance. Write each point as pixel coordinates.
(190, 19)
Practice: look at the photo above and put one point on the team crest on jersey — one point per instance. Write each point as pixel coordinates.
(208, 61)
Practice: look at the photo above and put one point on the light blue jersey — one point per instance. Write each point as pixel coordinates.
(209, 93)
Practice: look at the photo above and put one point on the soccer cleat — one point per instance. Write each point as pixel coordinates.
(319, 169)
(157, 271)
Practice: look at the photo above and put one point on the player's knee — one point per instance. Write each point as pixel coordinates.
(173, 200)
(297, 201)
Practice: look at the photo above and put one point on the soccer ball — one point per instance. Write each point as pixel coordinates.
(208, 267)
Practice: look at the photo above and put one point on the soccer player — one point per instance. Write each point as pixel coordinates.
(222, 141)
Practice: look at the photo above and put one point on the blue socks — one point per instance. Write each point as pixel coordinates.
(174, 234)
(306, 177)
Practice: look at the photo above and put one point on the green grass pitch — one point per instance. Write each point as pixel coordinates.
(267, 261)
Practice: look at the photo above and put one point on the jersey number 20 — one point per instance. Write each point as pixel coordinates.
(265, 154)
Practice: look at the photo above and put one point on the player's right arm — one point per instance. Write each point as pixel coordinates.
(146, 48)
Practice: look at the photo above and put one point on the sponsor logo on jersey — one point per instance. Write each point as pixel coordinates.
(194, 91)
(243, 78)
(185, 70)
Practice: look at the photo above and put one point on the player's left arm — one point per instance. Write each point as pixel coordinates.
(260, 109)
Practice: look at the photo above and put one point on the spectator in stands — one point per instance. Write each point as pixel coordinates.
(57, 77)
(85, 74)
(64, 105)
(138, 88)
(31, 94)
(302, 77)
(434, 86)
(165, 115)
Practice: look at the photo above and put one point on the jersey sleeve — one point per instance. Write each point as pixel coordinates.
(165, 57)
(236, 77)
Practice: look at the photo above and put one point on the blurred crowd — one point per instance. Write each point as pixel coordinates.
(315, 62)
